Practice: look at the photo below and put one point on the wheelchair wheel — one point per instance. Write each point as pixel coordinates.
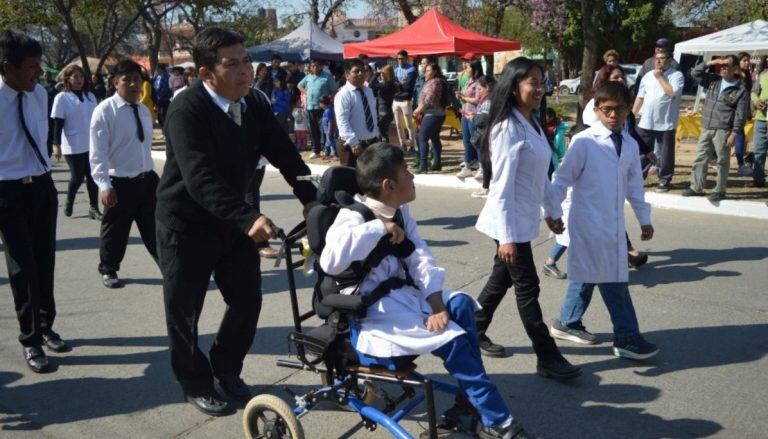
(269, 417)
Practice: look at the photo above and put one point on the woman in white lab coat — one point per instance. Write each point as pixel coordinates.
(71, 114)
(520, 156)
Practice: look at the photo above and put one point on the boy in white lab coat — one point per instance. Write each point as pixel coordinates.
(420, 317)
(602, 166)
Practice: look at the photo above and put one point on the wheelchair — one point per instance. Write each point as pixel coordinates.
(348, 379)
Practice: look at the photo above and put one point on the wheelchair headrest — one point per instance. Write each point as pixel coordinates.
(335, 179)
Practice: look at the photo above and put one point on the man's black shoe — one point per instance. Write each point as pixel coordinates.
(211, 404)
(110, 280)
(94, 214)
(234, 387)
(491, 349)
(35, 358)
(54, 342)
(514, 431)
(637, 261)
(662, 187)
(559, 369)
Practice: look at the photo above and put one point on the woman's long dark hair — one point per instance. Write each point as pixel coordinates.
(503, 97)
(477, 69)
(603, 77)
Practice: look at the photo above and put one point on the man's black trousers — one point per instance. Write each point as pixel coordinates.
(28, 231)
(522, 275)
(187, 260)
(136, 201)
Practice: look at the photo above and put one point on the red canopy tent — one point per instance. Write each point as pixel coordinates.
(432, 34)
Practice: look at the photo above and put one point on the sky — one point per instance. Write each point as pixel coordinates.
(358, 9)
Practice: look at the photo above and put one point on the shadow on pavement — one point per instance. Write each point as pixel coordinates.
(690, 265)
(451, 223)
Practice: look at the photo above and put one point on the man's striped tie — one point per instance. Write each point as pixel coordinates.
(368, 115)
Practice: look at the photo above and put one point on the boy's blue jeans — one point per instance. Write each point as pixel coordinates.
(617, 300)
(461, 358)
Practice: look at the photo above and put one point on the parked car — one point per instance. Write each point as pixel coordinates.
(450, 77)
(630, 72)
(570, 86)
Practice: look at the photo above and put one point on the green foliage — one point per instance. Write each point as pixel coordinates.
(517, 26)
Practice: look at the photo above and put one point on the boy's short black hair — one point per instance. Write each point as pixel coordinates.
(206, 45)
(125, 67)
(277, 56)
(612, 91)
(325, 100)
(403, 53)
(15, 46)
(378, 162)
(354, 62)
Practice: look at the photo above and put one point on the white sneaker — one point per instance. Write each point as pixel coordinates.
(314, 155)
(654, 170)
(745, 170)
(482, 193)
(464, 173)
(479, 174)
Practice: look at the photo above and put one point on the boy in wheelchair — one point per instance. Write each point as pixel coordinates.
(415, 315)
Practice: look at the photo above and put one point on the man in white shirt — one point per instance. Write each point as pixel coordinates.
(27, 196)
(355, 114)
(658, 106)
(122, 167)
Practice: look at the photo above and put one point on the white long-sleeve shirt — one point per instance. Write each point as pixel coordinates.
(75, 137)
(394, 325)
(17, 158)
(520, 157)
(350, 114)
(115, 148)
(601, 181)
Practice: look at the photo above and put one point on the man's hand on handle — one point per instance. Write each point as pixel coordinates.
(262, 230)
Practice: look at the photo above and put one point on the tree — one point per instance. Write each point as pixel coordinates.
(721, 14)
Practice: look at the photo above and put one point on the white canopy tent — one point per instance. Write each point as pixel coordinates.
(749, 37)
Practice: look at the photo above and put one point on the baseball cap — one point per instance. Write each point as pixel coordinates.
(662, 42)
(469, 56)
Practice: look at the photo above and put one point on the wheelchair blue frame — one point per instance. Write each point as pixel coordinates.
(342, 391)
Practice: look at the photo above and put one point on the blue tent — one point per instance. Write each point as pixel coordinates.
(307, 42)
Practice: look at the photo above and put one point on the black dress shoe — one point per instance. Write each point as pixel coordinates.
(35, 358)
(491, 349)
(558, 368)
(94, 214)
(110, 280)
(234, 387)
(54, 342)
(636, 261)
(211, 404)
(68, 208)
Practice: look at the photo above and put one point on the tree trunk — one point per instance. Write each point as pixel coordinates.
(405, 8)
(589, 55)
(66, 12)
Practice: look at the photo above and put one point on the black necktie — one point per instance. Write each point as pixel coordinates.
(139, 127)
(368, 115)
(30, 139)
(616, 137)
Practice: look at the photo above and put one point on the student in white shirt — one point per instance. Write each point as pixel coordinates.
(602, 166)
(121, 165)
(356, 118)
(520, 156)
(71, 114)
(658, 106)
(28, 197)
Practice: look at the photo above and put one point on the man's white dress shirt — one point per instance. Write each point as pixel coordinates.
(659, 111)
(350, 114)
(17, 158)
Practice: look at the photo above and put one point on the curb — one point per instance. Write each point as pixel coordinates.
(744, 209)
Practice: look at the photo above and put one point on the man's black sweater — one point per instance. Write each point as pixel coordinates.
(210, 161)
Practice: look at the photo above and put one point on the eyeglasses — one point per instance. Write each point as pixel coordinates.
(608, 111)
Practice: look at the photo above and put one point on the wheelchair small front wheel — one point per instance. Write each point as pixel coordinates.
(269, 417)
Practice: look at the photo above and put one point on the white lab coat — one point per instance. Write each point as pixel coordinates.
(75, 137)
(520, 158)
(394, 325)
(564, 238)
(601, 182)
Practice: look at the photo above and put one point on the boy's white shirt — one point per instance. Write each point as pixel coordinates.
(520, 158)
(394, 325)
(601, 181)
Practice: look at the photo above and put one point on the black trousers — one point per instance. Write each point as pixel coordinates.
(135, 202)
(667, 156)
(524, 278)
(253, 195)
(162, 109)
(28, 231)
(315, 129)
(79, 169)
(187, 261)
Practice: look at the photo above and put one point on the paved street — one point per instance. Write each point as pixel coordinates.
(703, 297)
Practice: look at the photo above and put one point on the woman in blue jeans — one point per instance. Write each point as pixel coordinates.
(431, 109)
(471, 98)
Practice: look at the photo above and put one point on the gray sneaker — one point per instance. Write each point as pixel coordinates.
(574, 332)
(514, 431)
(551, 270)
